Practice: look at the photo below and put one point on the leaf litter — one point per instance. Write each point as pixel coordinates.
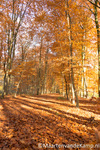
(26, 121)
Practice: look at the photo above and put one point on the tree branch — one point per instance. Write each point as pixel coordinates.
(94, 4)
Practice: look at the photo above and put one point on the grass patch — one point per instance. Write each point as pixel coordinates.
(61, 98)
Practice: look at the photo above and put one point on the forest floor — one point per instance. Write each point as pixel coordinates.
(28, 123)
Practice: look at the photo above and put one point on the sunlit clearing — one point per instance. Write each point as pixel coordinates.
(27, 107)
(1, 107)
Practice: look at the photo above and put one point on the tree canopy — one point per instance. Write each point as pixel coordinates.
(50, 46)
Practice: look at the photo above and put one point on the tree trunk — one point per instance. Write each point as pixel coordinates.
(12, 33)
(46, 66)
(66, 88)
(71, 52)
(98, 43)
(39, 72)
(17, 88)
(62, 78)
(85, 84)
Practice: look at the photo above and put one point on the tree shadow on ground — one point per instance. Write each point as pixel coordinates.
(51, 110)
(49, 96)
(93, 108)
(28, 126)
(84, 120)
(92, 105)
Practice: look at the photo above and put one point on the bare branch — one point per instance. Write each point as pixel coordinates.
(94, 4)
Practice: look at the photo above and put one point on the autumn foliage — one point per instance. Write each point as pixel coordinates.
(49, 46)
(46, 47)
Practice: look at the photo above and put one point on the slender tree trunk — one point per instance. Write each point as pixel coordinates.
(66, 84)
(62, 79)
(4, 83)
(85, 84)
(83, 71)
(98, 43)
(46, 66)
(70, 92)
(17, 88)
(83, 58)
(39, 73)
(71, 52)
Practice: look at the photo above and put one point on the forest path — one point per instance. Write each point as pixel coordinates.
(26, 121)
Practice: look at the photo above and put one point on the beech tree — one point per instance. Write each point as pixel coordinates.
(49, 46)
(96, 5)
(95, 9)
